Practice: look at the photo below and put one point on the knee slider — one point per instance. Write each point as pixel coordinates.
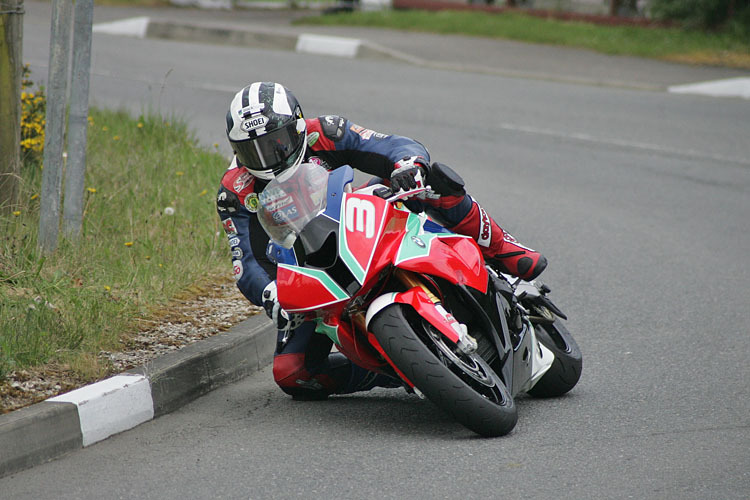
(445, 181)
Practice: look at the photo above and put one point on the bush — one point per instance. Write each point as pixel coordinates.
(705, 14)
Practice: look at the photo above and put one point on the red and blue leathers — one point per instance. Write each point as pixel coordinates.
(303, 364)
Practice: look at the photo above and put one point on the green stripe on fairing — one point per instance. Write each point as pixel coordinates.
(410, 250)
(332, 332)
(322, 277)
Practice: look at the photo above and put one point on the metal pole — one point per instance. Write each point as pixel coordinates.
(11, 38)
(75, 170)
(57, 82)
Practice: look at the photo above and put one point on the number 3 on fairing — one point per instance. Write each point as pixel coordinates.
(360, 216)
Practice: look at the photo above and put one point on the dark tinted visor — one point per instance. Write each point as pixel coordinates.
(271, 150)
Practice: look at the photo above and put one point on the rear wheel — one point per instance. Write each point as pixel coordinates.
(565, 371)
(461, 384)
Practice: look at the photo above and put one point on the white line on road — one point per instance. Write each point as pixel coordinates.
(731, 87)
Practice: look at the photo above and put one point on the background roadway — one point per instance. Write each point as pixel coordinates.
(641, 202)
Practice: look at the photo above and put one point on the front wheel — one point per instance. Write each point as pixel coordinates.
(565, 371)
(460, 384)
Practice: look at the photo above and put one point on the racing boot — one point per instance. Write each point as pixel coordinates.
(498, 247)
(361, 379)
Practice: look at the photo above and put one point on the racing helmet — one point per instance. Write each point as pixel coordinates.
(266, 129)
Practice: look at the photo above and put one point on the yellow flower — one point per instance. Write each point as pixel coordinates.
(148, 257)
(140, 125)
(34, 197)
(116, 138)
(107, 288)
(17, 213)
(203, 192)
(91, 190)
(179, 173)
(216, 145)
(128, 243)
(105, 128)
(160, 265)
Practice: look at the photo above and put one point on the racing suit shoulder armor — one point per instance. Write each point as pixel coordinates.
(333, 126)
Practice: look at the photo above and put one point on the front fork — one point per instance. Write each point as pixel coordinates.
(419, 296)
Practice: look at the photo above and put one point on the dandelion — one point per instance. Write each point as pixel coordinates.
(216, 145)
(17, 213)
(169, 211)
(34, 197)
(116, 138)
(161, 265)
(148, 257)
(202, 193)
(107, 288)
(105, 128)
(90, 119)
(179, 173)
(128, 243)
(140, 125)
(91, 190)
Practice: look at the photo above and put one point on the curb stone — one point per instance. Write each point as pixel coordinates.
(44, 431)
(144, 27)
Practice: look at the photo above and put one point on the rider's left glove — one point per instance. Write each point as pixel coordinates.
(283, 320)
(406, 172)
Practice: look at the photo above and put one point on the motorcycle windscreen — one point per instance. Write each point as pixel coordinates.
(291, 200)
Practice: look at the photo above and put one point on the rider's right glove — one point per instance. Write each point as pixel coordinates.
(283, 320)
(405, 173)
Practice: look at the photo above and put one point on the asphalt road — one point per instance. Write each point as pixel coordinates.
(641, 202)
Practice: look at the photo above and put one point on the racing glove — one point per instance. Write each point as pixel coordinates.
(282, 320)
(405, 172)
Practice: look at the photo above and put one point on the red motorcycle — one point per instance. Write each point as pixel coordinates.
(400, 295)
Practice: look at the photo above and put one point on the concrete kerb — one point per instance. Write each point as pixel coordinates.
(47, 430)
(144, 27)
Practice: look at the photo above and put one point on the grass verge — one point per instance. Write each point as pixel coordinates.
(149, 232)
(675, 44)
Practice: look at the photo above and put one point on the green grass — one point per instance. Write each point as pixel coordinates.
(662, 43)
(131, 258)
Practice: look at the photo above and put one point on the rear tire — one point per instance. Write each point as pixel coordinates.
(565, 371)
(462, 385)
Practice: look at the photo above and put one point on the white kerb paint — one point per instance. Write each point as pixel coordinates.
(111, 406)
(328, 45)
(135, 26)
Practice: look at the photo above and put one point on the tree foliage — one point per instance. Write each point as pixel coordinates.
(705, 14)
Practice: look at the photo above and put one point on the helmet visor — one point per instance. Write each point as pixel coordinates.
(271, 151)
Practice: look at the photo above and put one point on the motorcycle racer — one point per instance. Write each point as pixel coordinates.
(269, 134)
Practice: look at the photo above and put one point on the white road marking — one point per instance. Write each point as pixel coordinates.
(731, 87)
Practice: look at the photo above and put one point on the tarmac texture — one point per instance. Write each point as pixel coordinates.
(47, 430)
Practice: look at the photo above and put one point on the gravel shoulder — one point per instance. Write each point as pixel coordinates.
(184, 321)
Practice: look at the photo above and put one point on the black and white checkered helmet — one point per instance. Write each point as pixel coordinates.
(266, 129)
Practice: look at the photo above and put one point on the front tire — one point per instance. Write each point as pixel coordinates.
(462, 385)
(565, 371)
